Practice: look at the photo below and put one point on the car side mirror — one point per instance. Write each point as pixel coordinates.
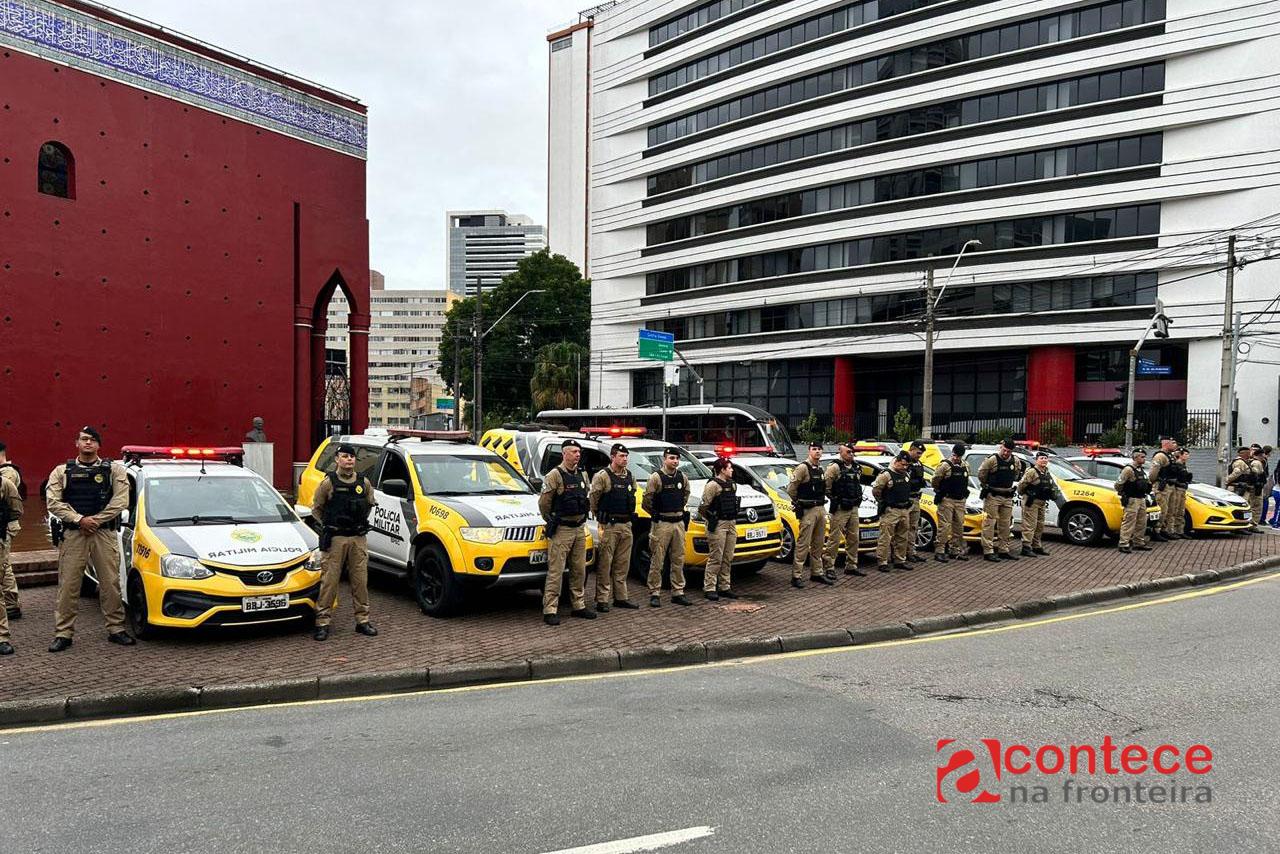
(396, 487)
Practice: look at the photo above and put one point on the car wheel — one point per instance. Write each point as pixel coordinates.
(437, 589)
(1084, 526)
(788, 545)
(1187, 528)
(926, 534)
(135, 611)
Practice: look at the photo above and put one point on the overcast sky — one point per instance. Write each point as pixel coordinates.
(456, 90)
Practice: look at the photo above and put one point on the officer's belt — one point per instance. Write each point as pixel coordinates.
(667, 517)
(570, 521)
(905, 506)
(1001, 491)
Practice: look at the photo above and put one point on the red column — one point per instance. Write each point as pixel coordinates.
(842, 395)
(301, 383)
(319, 326)
(358, 330)
(1051, 387)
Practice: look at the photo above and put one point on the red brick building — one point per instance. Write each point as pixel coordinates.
(173, 221)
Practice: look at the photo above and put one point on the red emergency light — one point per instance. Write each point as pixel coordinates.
(1101, 452)
(725, 450)
(613, 432)
(138, 452)
(1029, 444)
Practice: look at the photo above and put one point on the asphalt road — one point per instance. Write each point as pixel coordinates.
(826, 753)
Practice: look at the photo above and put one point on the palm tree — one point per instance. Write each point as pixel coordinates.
(556, 373)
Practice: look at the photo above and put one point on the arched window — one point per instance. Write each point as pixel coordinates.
(56, 175)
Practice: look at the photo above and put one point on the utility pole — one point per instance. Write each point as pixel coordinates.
(577, 375)
(477, 359)
(930, 318)
(1233, 429)
(926, 428)
(1228, 361)
(457, 381)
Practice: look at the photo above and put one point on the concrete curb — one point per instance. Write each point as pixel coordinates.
(145, 701)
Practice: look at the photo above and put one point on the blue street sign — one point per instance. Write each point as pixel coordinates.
(1147, 368)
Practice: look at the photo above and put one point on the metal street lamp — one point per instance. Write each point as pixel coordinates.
(477, 350)
(930, 317)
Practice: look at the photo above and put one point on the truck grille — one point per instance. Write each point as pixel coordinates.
(526, 534)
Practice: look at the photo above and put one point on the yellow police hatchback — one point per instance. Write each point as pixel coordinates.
(451, 518)
(205, 542)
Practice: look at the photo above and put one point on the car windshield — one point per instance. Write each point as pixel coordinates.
(777, 475)
(776, 437)
(468, 475)
(205, 500)
(645, 462)
(1066, 470)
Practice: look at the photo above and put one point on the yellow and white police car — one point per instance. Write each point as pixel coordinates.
(205, 542)
(451, 518)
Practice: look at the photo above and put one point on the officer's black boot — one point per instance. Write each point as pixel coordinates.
(1027, 552)
(59, 644)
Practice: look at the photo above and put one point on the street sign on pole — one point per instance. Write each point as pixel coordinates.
(657, 346)
(444, 403)
(1148, 368)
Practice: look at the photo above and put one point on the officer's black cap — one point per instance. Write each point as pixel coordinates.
(1040, 454)
(1255, 447)
(618, 448)
(918, 443)
(1137, 451)
(1009, 443)
(671, 452)
(904, 456)
(91, 431)
(347, 448)
(853, 446)
(570, 443)
(817, 445)
(1243, 449)
(958, 449)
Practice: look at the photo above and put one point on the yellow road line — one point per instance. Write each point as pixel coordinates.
(739, 662)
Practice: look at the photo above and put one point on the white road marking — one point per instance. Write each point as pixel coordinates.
(652, 842)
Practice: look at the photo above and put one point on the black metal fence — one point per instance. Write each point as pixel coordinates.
(1089, 424)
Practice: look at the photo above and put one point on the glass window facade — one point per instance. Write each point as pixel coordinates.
(1049, 230)
(959, 301)
(695, 18)
(1016, 168)
(787, 388)
(901, 63)
(1044, 97)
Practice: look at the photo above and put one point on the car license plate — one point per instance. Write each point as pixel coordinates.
(869, 534)
(756, 534)
(274, 602)
(1154, 516)
(537, 557)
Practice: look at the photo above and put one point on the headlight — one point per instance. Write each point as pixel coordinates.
(488, 536)
(177, 566)
(315, 560)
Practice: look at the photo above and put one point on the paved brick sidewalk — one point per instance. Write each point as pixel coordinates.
(509, 627)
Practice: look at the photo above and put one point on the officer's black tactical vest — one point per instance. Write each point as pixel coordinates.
(346, 512)
(813, 491)
(724, 508)
(1138, 487)
(88, 488)
(956, 484)
(570, 506)
(618, 504)
(1006, 472)
(898, 493)
(669, 502)
(846, 491)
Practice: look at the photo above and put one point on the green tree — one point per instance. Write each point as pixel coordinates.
(1053, 432)
(557, 375)
(808, 430)
(903, 429)
(561, 315)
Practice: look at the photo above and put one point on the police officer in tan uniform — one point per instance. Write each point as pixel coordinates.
(10, 512)
(666, 497)
(916, 469)
(998, 474)
(951, 489)
(1177, 478)
(892, 491)
(1240, 480)
(720, 508)
(9, 581)
(1037, 488)
(808, 493)
(86, 495)
(613, 503)
(1133, 486)
(1258, 468)
(1160, 461)
(564, 504)
(341, 505)
(843, 479)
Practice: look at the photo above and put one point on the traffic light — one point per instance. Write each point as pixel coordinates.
(1121, 399)
(1160, 325)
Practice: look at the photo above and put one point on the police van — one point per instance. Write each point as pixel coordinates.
(206, 542)
(537, 450)
(451, 518)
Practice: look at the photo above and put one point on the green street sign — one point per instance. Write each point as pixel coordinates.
(657, 346)
(444, 403)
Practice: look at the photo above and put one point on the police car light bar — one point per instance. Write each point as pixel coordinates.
(139, 452)
(437, 435)
(1101, 452)
(613, 432)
